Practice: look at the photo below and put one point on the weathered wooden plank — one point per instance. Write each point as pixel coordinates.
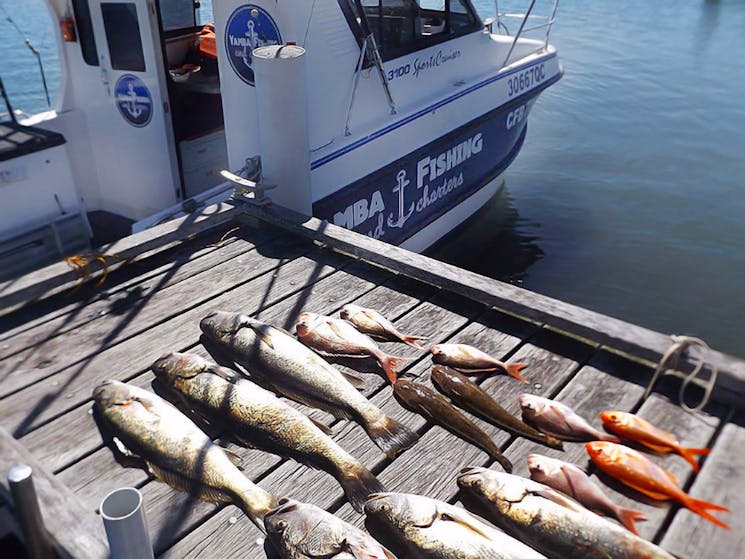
(54, 278)
(75, 530)
(41, 402)
(721, 481)
(53, 355)
(617, 334)
(114, 296)
(179, 334)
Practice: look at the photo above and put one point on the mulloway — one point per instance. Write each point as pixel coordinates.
(550, 521)
(257, 418)
(302, 531)
(292, 369)
(417, 527)
(175, 450)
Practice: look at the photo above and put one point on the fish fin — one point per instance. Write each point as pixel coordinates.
(391, 436)
(224, 373)
(391, 365)
(627, 517)
(241, 441)
(701, 507)
(671, 477)
(559, 498)
(651, 494)
(234, 458)
(361, 552)
(513, 369)
(264, 337)
(354, 380)
(122, 448)
(181, 483)
(689, 453)
(358, 484)
(335, 329)
(657, 448)
(468, 521)
(573, 479)
(322, 426)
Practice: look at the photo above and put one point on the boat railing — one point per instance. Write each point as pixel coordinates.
(527, 22)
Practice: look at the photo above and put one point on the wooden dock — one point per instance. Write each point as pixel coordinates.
(58, 340)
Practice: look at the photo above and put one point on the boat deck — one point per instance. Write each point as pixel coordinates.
(56, 349)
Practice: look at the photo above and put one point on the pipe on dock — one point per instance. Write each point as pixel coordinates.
(28, 513)
(125, 524)
(282, 104)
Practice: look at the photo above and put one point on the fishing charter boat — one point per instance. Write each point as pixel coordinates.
(394, 118)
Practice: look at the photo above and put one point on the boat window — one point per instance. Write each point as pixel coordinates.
(404, 26)
(123, 36)
(177, 14)
(84, 26)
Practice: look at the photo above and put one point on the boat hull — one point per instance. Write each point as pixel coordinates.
(420, 197)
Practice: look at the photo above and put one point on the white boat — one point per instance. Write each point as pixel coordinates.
(395, 118)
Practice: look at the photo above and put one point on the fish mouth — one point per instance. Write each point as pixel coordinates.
(471, 477)
(284, 505)
(377, 496)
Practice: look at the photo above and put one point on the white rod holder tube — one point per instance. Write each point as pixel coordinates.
(26, 504)
(125, 524)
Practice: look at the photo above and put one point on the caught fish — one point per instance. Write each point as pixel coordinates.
(303, 531)
(558, 420)
(422, 528)
(292, 369)
(175, 450)
(469, 360)
(338, 338)
(374, 324)
(257, 418)
(551, 522)
(433, 406)
(632, 468)
(569, 479)
(472, 398)
(633, 427)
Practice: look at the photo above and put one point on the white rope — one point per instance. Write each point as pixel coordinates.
(670, 361)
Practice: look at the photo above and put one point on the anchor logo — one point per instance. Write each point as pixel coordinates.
(403, 182)
(133, 100)
(248, 27)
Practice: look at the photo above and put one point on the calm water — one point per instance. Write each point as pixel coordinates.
(628, 195)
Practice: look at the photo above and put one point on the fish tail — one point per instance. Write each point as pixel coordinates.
(689, 453)
(391, 436)
(702, 507)
(391, 365)
(513, 369)
(501, 459)
(627, 517)
(255, 503)
(359, 483)
(413, 341)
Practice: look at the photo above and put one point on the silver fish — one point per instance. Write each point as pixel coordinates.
(175, 450)
(257, 418)
(418, 527)
(302, 531)
(572, 481)
(372, 323)
(338, 338)
(468, 360)
(551, 522)
(558, 420)
(292, 369)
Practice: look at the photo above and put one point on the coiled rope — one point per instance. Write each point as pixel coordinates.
(670, 360)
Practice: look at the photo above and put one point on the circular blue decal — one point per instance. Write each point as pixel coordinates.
(134, 100)
(249, 27)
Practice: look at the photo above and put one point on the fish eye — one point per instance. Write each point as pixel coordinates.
(282, 525)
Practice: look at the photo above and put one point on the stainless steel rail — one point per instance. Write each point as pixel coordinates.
(544, 21)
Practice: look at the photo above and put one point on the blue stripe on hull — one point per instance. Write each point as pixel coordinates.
(383, 131)
(405, 196)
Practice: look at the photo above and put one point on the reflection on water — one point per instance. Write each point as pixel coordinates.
(496, 242)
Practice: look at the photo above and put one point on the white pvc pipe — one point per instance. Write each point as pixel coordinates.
(126, 528)
(282, 104)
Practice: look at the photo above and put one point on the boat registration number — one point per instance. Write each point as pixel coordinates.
(526, 79)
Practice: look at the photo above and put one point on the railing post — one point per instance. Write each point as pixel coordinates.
(28, 513)
(126, 528)
(519, 32)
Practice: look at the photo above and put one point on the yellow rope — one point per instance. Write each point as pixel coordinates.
(81, 263)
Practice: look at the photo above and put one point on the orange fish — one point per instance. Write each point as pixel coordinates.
(638, 472)
(635, 428)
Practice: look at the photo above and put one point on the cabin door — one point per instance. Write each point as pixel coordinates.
(131, 127)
